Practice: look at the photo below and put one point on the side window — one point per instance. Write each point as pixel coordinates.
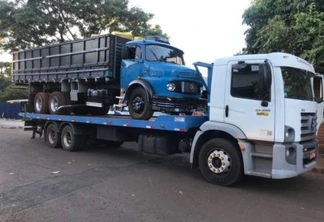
(134, 52)
(318, 89)
(245, 82)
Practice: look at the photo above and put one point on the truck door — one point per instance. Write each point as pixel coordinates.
(132, 64)
(244, 106)
(318, 90)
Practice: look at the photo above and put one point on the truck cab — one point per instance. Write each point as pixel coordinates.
(265, 104)
(154, 78)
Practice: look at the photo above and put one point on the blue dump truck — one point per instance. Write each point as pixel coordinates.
(91, 75)
(260, 120)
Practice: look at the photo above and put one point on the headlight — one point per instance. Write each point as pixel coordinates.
(171, 86)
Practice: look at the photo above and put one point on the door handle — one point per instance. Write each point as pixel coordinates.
(226, 110)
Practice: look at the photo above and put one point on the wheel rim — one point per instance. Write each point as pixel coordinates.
(67, 139)
(54, 103)
(39, 104)
(52, 136)
(219, 162)
(138, 104)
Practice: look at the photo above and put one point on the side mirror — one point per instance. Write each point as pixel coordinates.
(318, 89)
(265, 81)
(125, 53)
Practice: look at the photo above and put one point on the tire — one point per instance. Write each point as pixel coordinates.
(41, 103)
(220, 162)
(71, 142)
(138, 106)
(52, 136)
(67, 111)
(56, 100)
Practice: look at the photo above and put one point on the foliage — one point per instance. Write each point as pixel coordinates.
(10, 94)
(292, 26)
(7, 93)
(5, 73)
(29, 23)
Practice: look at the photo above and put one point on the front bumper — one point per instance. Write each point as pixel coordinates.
(178, 105)
(304, 160)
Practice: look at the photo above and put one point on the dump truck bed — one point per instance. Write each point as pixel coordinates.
(96, 57)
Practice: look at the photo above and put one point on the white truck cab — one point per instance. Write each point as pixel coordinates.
(265, 104)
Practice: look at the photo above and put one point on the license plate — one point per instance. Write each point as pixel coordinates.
(312, 155)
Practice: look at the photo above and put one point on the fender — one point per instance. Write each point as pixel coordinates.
(225, 127)
(210, 126)
(140, 82)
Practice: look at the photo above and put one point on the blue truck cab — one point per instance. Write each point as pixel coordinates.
(154, 78)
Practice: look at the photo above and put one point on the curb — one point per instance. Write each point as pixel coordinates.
(11, 127)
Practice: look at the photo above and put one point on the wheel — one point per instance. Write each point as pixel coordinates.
(67, 111)
(56, 100)
(220, 162)
(41, 103)
(52, 136)
(71, 142)
(138, 106)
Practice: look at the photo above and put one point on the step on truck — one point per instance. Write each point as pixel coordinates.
(89, 76)
(261, 121)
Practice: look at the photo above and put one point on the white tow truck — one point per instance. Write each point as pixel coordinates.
(261, 121)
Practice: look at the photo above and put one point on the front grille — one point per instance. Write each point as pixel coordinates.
(187, 87)
(190, 87)
(308, 126)
(183, 105)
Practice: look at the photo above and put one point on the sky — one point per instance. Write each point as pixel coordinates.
(205, 30)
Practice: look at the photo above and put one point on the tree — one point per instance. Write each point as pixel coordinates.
(6, 92)
(292, 26)
(5, 73)
(29, 23)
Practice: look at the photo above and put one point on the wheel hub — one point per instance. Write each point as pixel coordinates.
(67, 139)
(51, 136)
(138, 104)
(39, 104)
(54, 103)
(219, 162)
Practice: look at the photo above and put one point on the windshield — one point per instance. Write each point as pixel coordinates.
(297, 83)
(164, 54)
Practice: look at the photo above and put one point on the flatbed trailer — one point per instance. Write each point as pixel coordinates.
(164, 122)
(162, 135)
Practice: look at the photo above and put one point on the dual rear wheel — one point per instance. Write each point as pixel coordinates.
(68, 140)
(50, 102)
(65, 139)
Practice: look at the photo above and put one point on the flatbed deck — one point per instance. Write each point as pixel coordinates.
(163, 122)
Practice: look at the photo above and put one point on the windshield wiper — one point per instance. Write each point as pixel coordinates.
(157, 59)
